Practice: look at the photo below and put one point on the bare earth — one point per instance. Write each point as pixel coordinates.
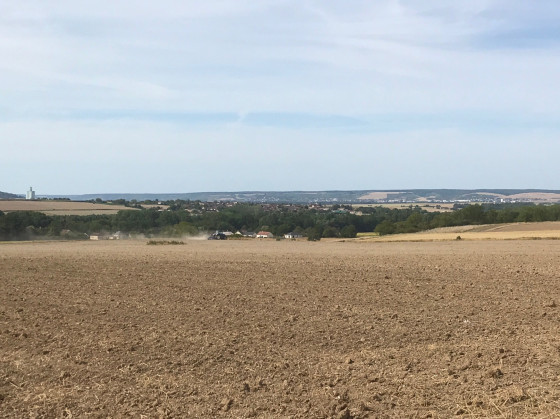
(280, 329)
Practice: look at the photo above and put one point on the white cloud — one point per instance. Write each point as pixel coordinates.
(64, 60)
(117, 156)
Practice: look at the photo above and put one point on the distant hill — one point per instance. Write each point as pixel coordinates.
(6, 195)
(361, 196)
(471, 195)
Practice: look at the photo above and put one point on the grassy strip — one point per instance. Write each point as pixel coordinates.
(157, 242)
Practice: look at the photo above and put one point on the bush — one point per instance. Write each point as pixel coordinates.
(314, 233)
(386, 227)
(349, 231)
(158, 242)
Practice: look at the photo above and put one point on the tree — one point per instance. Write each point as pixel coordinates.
(314, 233)
(349, 231)
(283, 229)
(386, 227)
(184, 229)
(472, 214)
(330, 231)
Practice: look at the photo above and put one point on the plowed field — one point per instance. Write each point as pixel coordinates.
(280, 329)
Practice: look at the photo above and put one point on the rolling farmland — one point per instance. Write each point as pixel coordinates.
(53, 207)
(280, 329)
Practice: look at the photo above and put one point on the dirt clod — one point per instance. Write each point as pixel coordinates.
(496, 373)
(345, 414)
(226, 404)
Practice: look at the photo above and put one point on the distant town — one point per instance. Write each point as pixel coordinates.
(283, 215)
(404, 196)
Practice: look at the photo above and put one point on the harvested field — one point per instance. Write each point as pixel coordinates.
(513, 231)
(510, 227)
(280, 329)
(427, 207)
(60, 207)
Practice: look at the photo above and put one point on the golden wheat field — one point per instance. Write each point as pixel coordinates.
(280, 329)
(60, 207)
(514, 231)
(432, 207)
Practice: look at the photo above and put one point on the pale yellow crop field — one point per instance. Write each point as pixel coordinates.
(513, 231)
(60, 207)
(427, 207)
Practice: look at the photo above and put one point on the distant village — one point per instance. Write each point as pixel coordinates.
(330, 198)
(377, 212)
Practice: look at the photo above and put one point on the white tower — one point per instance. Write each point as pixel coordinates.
(30, 194)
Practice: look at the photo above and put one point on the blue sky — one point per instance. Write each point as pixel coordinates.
(222, 95)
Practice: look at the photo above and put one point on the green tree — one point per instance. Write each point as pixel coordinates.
(384, 228)
(184, 229)
(330, 231)
(349, 231)
(314, 233)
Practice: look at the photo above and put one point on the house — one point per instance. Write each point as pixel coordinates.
(245, 233)
(293, 235)
(265, 235)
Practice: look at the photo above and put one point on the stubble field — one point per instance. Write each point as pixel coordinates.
(280, 329)
(55, 207)
(549, 230)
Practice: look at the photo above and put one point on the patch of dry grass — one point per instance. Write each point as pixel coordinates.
(427, 207)
(60, 207)
(514, 231)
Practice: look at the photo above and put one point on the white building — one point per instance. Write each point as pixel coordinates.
(264, 235)
(30, 194)
(293, 235)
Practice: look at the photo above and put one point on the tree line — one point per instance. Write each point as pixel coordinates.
(311, 222)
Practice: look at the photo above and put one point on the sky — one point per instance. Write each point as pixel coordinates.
(174, 96)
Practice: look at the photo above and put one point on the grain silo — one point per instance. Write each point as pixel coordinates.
(30, 194)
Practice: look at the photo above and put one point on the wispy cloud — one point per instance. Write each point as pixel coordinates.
(236, 68)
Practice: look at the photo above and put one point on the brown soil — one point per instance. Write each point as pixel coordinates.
(280, 329)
